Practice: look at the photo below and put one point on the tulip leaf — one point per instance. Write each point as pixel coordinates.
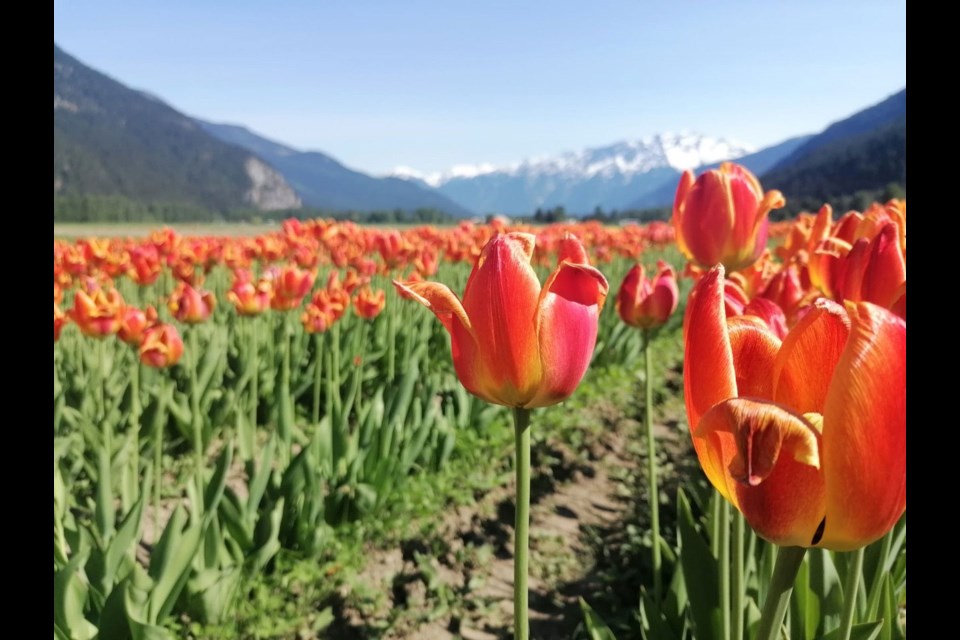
(597, 629)
(700, 572)
(864, 631)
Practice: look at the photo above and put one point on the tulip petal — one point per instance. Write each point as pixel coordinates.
(708, 373)
(463, 345)
(569, 311)
(809, 356)
(754, 349)
(705, 233)
(864, 431)
(775, 470)
(502, 299)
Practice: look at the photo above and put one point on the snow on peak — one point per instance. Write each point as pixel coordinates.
(625, 159)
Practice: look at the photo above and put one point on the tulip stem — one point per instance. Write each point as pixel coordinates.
(255, 373)
(850, 587)
(521, 541)
(724, 562)
(788, 564)
(653, 489)
(196, 419)
(737, 581)
(873, 602)
(285, 401)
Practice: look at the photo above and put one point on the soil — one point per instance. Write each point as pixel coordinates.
(464, 589)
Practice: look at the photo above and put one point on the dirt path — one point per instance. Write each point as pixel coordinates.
(464, 589)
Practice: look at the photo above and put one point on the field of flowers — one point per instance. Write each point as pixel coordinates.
(221, 403)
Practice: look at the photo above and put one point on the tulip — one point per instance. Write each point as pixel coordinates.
(368, 304)
(647, 304)
(59, 319)
(249, 299)
(722, 216)
(290, 286)
(134, 323)
(806, 437)
(518, 344)
(513, 342)
(161, 346)
(99, 313)
(189, 305)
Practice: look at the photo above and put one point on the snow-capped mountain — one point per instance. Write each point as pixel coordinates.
(610, 177)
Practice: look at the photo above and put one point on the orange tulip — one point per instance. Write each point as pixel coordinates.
(290, 286)
(161, 346)
(59, 319)
(189, 305)
(134, 324)
(368, 304)
(99, 313)
(722, 216)
(513, 342)
(249, 299)
(806, 437)
(648, 304)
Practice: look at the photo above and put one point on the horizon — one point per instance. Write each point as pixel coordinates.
(256, 68)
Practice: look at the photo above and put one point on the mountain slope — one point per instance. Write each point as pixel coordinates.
(110, 140)
(866, 151)
(324, 183)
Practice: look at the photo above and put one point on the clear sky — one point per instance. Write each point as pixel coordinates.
(430, 84)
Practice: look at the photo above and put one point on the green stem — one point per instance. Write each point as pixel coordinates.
(391, 339)
(724, 562)
(135, 412)
(196, 420)
(718, 501)
(778, 596)
(521, 542)
(653, 490)
(255, 366)
(159, 421)
(873, 606)
(850, 587)
(284, 399)
(317, 378)
(737, 580)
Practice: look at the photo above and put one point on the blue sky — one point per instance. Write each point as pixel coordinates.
(433, 84)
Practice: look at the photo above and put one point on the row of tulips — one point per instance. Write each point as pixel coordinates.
(316, 460)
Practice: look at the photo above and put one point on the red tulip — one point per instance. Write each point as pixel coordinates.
(807, 437)
(513, 342)
(648, 304)
(722, 216)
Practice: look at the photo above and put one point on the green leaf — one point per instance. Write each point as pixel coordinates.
(595, 625)
(70, 591)
(700, 572)
(864, 631)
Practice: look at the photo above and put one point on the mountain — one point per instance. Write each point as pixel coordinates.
(864, 152)
(324, 183)
(112, 141)
(758, 163)
(613, 176)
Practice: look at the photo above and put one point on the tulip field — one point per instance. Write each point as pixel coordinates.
(249, 430)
